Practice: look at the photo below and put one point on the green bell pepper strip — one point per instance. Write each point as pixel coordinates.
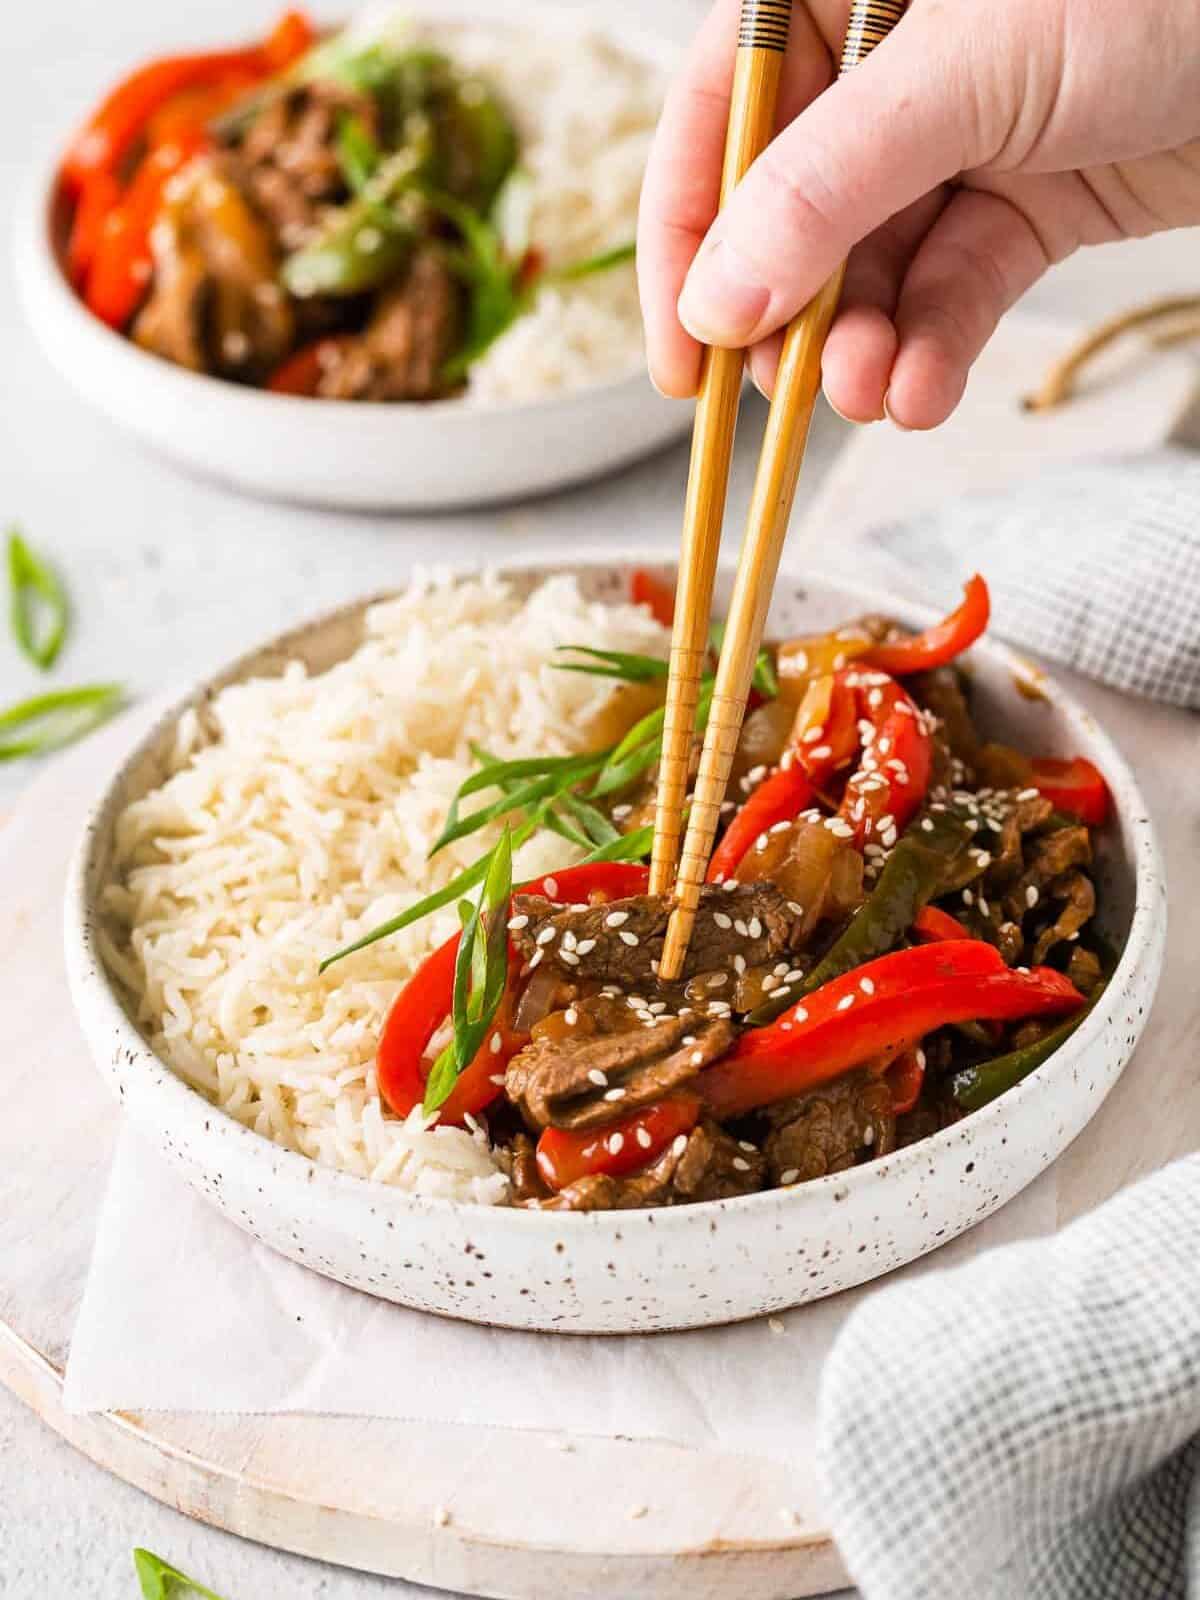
(912, 876)
(973, 1087)
(372, 238)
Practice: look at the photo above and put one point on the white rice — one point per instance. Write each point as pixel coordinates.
(585, 111)
(302, 816)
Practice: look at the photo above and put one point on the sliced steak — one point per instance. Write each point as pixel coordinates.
(403, 350)
(831, 1129)
(526, 1179)
(621, 941)
(585, 1080)
(1077, 897)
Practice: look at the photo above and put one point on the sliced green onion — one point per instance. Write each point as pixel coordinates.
(47, 722)
(159, 1581)
(358, 152)
(522, 795)
(35, 595)
(603, 261)
(614, 664)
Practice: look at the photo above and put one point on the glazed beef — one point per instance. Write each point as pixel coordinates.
(526, 1179)
(403, 350)
(830, 1129)
(584, 1079)
(288, 163)
(621, 941)
(707, 1164)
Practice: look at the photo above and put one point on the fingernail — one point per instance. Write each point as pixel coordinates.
(721, 303)
(887, 411)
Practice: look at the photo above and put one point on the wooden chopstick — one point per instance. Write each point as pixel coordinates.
(762, 41)
(779, 464)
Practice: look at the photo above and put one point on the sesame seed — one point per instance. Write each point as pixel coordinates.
(968, 898)
(984, 908)
(883, 746)
(845, 1002)
(643, 1138)
(657, 1007)
(614, 919)
(813, 735)
(697, 1058)
(793, 975)
(679, 1144)
(645, 1015)
(983, 858)
(570, 1017)
(616, 1143)
(627, 937)
(921, 1059)
(729, 885)
(822, 752)
(740, 927)
(868, 1137)
(875, 698)
(755, 927)
(800, 1014)
(569, 957)
(775, 1324)
(740, 1164)
(569, 941)
(840, 829)
(770, 982)
(796, 910)
(1032, 896)
(739, 964)
(535, 959)
(550, 885)
(867, 985)
(1028, 794)
(546, 935)
(441, 1516)
(688, 1038)
(518, 922)
(619, 813)
(494, 1047)
(599, 1078)
(585, 946)
(614, 1094)
(721, 920)
(790, 1175)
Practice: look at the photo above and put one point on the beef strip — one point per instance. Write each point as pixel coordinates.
(1085, 971)
(1074, 892)
(621, 941)
(214, 304)
(707, 1164)
(526, 1179)
(830, 1129)
(572, 1080)
(1047, 856)
(288, 162)
(403, 350)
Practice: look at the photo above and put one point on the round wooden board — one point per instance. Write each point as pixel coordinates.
(530, 1515)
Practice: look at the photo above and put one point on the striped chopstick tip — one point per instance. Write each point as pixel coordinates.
(765, 24)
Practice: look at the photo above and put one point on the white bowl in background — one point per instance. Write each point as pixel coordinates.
(349, 455)
(690, 1265)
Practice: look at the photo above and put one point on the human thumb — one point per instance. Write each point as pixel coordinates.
(884, 134)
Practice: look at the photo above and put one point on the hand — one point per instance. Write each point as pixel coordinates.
(983, 141)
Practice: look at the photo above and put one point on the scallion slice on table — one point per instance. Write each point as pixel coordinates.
(37, 604)
(160, 1581)
(46, 722)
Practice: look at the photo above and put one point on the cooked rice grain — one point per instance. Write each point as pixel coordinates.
(301, 816)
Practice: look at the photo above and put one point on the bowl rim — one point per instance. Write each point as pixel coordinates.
(35, 241)
(98, 1007)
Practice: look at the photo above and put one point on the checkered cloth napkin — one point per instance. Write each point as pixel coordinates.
(1096, 567)
(1027, 1426)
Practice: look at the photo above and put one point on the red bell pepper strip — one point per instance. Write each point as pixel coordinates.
(1075, 786)
(98, 199)
(932, 926)
(192, 110)
(658, 597)
(879, 1009)
(292, 37)
(941, 643)
(120, 120)
(779, 798)
(886, 791)
(301, 372)
(619, 1148)
(123, 264)
(424, 1003)
(905, 1079)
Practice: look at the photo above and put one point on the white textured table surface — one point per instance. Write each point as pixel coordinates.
(170, 576)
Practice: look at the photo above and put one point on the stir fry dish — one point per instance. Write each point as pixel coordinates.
(897, 928)
(343, 217)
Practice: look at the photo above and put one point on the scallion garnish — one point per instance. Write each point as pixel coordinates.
(358, 152)
(37, 604)
(603, 261)
(159, 1581)
(480, 975)
(46, 722)
(614, 664)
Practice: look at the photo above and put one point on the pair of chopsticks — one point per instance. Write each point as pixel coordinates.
(762, 42)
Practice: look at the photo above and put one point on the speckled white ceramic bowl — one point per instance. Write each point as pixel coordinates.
(621, 1272)
(332, 453)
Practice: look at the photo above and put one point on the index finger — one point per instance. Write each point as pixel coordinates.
(683, 177)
